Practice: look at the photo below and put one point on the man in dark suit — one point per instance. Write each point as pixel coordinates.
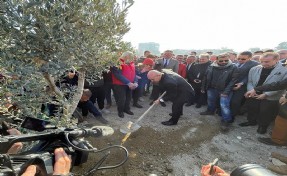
(167, 62)
(190, 61)
(244, 65)
(177, 91)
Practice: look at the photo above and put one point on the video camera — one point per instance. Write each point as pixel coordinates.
(42, 153)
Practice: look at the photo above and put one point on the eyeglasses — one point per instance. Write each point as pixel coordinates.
(241, 59)
(223, 61)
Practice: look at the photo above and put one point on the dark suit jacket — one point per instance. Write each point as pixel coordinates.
(172, 64)
(175, 86)
(244, 70)
(197, 71)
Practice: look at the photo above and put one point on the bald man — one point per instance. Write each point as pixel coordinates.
(177, 91)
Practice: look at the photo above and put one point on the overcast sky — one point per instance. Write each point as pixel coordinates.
(208, 24)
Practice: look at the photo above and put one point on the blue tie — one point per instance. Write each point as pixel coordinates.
(165, 63)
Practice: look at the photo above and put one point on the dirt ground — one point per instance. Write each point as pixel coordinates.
(180, 150)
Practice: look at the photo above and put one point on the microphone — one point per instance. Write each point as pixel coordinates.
(96, 131)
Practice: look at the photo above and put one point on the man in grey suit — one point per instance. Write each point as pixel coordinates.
(167, 62)
(263, 107)
(244, 65)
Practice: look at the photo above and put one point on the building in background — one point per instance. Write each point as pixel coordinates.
(150, 46)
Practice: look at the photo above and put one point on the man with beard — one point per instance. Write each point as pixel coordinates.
(177, 91)
(219, 80)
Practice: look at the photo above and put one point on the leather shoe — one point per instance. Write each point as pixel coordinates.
(206, 113)
(268, 141)
(129, 112)
(137, 105)
(244, 124)
(168, 123)
(121, 115)
(224, 127)
(189, 104)
(198, 106)
(261, 130)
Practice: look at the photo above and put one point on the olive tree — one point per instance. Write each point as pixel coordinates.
(40, 39)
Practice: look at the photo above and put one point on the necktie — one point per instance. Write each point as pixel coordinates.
(165, 63)
(188, 67)
(240, 65)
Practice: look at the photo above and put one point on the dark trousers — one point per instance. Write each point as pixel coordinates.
(108, 91)
(199, 97)
(88, 106)
(237, 101)
(177, 106)
(98, 94)
(262, 111)
(123, 96)
(136, 94)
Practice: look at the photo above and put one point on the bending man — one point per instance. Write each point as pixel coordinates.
(177, 91)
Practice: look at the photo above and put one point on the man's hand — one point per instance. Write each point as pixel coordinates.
(16, 147)
(62, 164)
(216, 171)
(261, 96)
(250, 94)
(30, 171)
(237, 86)
(133, 86)
(156, 102)
(223, 95)
(202, 91)
(282, 100)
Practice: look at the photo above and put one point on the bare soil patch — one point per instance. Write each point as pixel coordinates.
(180, 150)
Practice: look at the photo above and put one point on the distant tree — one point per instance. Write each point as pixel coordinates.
(40, 39)
(254, 49)
(282, 45)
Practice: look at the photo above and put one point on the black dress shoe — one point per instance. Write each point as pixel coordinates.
(198, 106)
(206, 113)
(129, 112)
(189, 104)
(121, 115)
(261, 130)
(244, 124)
(137, 105)
(268, 141)
(168, 123)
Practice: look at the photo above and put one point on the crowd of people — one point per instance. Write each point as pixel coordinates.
(228, 84)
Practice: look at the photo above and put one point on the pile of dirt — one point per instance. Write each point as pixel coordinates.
(179, 150)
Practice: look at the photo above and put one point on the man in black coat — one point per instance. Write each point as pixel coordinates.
(244, 65)
(195, 76)
(177, 91)
(218, 82)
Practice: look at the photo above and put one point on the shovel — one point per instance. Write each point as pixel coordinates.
(130, 126)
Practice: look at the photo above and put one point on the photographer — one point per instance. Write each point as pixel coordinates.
(61, 167)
